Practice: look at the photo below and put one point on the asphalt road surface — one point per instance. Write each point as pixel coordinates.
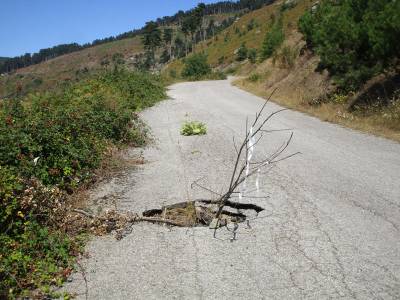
(330, 228)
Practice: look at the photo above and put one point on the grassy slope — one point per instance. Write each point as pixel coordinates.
(297, 85)
(65, 67)
(228, 41)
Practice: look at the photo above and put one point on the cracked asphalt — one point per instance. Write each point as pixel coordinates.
(330, 228)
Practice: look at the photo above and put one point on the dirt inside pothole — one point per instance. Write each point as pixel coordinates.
(202, 213)
(183, 214)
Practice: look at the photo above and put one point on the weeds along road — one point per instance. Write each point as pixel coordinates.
(330, 229)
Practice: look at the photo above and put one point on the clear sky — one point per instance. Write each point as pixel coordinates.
(29, 25)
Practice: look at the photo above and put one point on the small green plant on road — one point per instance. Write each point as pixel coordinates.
(193, 128)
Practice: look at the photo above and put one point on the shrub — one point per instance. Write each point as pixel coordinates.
(172, 73)
(251, 25)
(355, 39)
(217, 75)
(118, 59)
(196, 67)
(37, 82)
(193, 128)
(254, 77)
(273, 40)
(231, 70)
(49, 144)
(252, 55)
(286, 57)
(241, 52)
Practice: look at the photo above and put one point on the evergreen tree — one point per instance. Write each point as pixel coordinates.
(355, 39)
(151, 36)
(274, 38)
(151, 40)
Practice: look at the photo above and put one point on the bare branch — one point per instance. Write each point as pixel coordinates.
(204, 188)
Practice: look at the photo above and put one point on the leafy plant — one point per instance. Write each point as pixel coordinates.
(193, 128)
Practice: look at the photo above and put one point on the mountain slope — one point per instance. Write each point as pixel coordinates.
(68, 67)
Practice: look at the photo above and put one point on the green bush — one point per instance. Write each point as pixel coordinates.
(242, 52)
(355, 39)
(196, 67)
(49, 144)
(274, 38)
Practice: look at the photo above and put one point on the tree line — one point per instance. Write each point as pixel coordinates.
(189, 20)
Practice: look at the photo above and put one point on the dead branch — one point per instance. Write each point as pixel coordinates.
(243, 167)
(162, 221)
(135, 219)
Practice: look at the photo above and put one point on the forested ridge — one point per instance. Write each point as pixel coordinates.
(45, 54)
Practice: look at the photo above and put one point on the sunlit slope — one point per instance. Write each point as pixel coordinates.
(67, 67)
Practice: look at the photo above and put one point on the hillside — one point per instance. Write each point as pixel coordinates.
(68, 67)
(292, 71)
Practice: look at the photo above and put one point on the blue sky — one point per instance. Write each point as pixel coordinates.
(29, 25)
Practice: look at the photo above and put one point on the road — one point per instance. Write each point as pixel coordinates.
(330, 228)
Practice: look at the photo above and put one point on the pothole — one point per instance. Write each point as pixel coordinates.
(201, 213)
(184, 214)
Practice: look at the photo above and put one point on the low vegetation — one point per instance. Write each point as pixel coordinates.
(196, 67)
(50, 143)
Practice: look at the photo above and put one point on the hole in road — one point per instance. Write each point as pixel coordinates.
(202, 212)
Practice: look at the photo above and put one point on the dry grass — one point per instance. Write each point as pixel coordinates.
(300, 90)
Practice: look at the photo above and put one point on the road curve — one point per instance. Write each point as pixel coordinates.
(330, 229)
